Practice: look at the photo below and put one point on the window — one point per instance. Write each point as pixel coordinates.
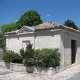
(24, 44)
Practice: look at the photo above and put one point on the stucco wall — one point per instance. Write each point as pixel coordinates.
(26, 37)
(62, 49)
(47, 40)
(14, 43)
(7, 42)
(67, 47)
(42, 40)
(51, 40)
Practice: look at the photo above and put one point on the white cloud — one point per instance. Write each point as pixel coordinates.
(48, 15)
(16, 21)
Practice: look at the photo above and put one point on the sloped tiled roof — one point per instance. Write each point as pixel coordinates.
(43, 26)
(46, 25)
(12, 32)
(53, 25)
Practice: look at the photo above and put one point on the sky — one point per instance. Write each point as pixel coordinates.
(50, 10)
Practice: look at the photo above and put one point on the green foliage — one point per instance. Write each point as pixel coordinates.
(43, 58)
(8, 27)
(70, 23)
(29, 18)
(10, 56)
(2, 41)
(29, 51)
(37, 58)
(79, 28)
(16, 58)
(48, 58)
(23, 54)
(29, 59)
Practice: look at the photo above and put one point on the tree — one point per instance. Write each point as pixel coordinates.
(29, 18)
(70, 23)
(2, 41)
(3, 29)
(29, 58)
(79, 28)
(8, 27)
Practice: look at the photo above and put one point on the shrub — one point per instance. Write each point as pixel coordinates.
(43, 58)
(29, 52)
(10, 56)
(16, 58)
(48, 58)
(22, 53)
(36, 57)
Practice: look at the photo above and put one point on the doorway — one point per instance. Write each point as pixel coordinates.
(73, 51)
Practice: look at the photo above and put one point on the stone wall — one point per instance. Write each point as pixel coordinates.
(67, 47)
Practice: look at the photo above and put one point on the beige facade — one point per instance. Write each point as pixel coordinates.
(66, 39)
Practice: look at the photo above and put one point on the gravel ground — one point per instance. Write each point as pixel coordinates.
(6, 74)
(75, 77)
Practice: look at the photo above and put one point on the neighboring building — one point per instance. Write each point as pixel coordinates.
(48, 35)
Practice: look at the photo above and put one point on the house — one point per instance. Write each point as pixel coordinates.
(48, 35)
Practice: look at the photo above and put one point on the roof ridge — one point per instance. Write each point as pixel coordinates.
(46, 25)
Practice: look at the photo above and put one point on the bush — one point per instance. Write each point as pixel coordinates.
(22, 52)
(43, 58)
(29, 52)
(10, 56)
(36, 57)
(48, 58)
(17, 58)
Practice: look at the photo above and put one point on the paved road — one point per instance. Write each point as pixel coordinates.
(75, 77)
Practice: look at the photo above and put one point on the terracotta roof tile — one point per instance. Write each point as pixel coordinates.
(46, 25)
(12, 32)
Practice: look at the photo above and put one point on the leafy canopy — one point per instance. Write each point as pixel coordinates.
(2, 41)
(3, 29)
(70, 23)
(29, 18)
(8, 27)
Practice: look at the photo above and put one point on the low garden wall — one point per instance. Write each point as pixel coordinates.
(2, 64)
(1, 53)
(45, 60)
(21, 68)
(40, 70)
(17, 67)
